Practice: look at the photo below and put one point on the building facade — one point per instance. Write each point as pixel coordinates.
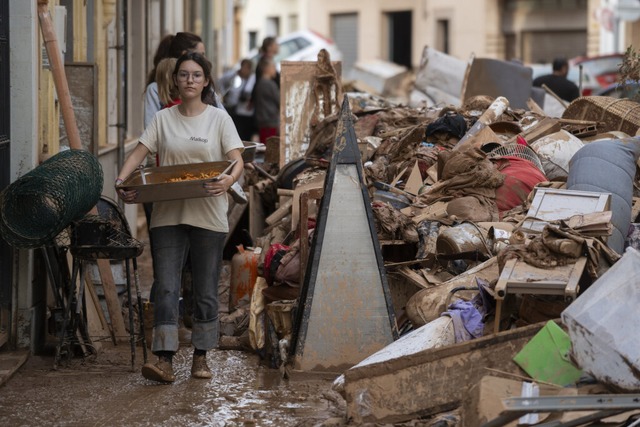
(398, 30)
(108, 48)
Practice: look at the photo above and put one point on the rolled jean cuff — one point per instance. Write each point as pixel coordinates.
(165, 338)
(204, 335)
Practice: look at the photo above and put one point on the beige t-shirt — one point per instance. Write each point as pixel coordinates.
(180, 140)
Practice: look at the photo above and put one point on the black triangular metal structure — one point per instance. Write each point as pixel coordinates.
(346, 312)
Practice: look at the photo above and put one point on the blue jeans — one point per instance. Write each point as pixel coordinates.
(171, 244)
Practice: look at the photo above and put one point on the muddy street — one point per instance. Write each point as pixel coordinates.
(104, 392)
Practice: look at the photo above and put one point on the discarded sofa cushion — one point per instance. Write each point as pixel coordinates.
(520, 177)
(608, 167)
(452, 124)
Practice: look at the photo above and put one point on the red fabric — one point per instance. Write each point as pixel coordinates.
(273, 249)
(520, 177)
(267, 133)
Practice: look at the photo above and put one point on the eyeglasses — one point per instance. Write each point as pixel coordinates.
(197, 76)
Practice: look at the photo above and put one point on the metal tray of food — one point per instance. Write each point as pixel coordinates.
(249, 153)
(155, 184)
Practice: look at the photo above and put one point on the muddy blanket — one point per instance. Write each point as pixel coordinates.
(468, 183)
(391, 224)
(558, 246)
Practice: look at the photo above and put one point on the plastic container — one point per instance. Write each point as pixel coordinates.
(244, 272)
(604, 334)
(463, 239)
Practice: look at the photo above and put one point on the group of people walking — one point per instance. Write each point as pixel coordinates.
(252, 97)
(186, 121)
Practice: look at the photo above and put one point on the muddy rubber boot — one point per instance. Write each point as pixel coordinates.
(161, 371)
(199, 368)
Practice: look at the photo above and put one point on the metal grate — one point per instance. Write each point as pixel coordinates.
(517, 150)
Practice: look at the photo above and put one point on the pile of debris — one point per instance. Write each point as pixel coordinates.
(488, 218)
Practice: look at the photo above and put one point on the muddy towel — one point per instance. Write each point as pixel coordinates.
(467, 320)
(468, 182)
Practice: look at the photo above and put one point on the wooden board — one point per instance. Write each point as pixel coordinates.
(346, 313)
(83, 97)
(550, 204)
(546, 126)
(430, 381)
(256, 214)
(297, 106)
(97, 324)
(518, 277)
(111, 298)
(235, 212)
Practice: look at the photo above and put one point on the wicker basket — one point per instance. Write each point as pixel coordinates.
(612, 114)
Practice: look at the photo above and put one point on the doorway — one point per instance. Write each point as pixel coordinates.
(400, 37)
(6, 254)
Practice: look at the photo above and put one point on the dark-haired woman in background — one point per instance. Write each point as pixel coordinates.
(266, 99)
(192, 132)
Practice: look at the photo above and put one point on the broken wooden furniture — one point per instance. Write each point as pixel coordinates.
(518, 277)
(303, 226)
(551, 205)
(346, 312)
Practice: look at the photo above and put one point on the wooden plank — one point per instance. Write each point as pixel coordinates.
(414, 183)
(256, 214)
(314, 185)
(11, 361)
(414, 277)
(535, 108)
(551, 204)
(436, 211)
(280, 213)
(83, 93)
(430, 381)
(97, 324)
(235, 213)
(298, 106)
(545, 127)
(111, 297)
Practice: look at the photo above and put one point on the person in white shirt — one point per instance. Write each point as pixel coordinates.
(192, 132)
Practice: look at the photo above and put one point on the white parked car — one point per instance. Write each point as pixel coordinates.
(298, 46)
(302, 46)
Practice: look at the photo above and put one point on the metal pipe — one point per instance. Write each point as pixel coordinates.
(492, 114)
